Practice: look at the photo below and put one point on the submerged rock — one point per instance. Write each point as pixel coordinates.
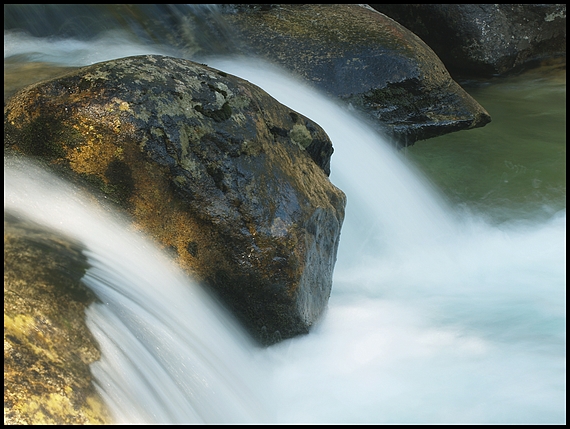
(364, 58)
(47, 345)
(211, 166)
(483, 40)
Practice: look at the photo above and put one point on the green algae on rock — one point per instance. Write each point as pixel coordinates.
(208, 164)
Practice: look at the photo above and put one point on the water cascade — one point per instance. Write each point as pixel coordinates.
(435, 315)
(169, 351)
(433, 310)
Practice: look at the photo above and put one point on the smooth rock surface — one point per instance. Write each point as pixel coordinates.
(364, 58)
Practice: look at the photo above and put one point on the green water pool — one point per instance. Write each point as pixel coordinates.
(515, 167)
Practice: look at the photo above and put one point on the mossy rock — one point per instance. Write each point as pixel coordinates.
(47, 345)
(211, 166)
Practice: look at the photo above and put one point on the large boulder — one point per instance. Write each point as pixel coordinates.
(482, 40)
(231, 181)
(47, 345)
(364, 58)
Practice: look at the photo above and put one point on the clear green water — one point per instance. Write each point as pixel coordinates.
(515, 167)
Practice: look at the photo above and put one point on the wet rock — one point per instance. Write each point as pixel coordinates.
(47, 345)
(364, 58)
(217, 171)
(482, 40)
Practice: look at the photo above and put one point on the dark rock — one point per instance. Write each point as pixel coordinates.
(192, 28)
(365, 58)
(47, 345)
(211, 166)
(482, 40)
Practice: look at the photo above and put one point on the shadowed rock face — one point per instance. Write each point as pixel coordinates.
(47, 346)
(211, 166)
(365, 58)
(483, 40)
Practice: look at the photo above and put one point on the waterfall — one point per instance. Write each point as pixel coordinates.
(435, 316)
(170, 353)
(390, 204)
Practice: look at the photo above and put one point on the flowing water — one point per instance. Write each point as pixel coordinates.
(169, 353)
(448, 300)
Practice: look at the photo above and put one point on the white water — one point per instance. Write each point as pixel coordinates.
(434, 317)
(169, 352)
(78, 53)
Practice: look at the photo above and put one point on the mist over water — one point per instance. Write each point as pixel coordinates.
(436, 316)
(77, 53)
